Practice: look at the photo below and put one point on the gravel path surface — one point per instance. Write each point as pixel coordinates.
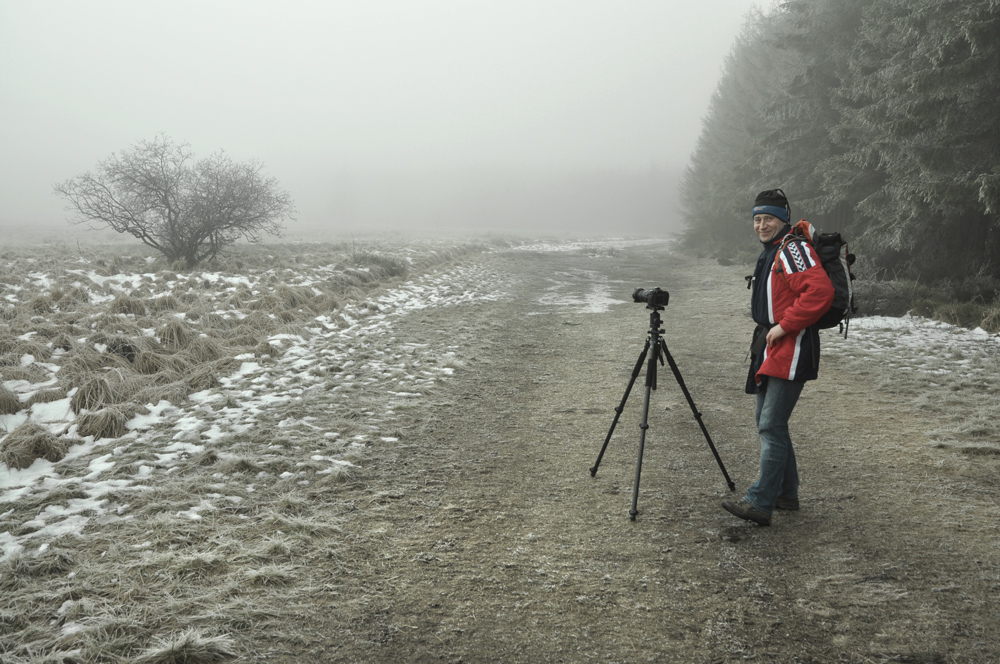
(491, 541)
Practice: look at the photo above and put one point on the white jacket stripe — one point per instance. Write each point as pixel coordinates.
(795, 356)
(809, 254)
(784, 262)
(770, 299)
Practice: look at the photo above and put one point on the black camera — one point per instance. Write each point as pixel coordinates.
(653, 297)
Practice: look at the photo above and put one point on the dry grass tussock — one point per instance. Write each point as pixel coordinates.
(111, 324)
(40, 305)
(173, 389)
(257, 321)
(46, 396)
(161, 304)
(203, 349)
(380, 265)
(9, 403)
(266, 304)
(125, 304)
(105, 423)
(20, 347)
(294, 298)
(32, 373)
(94, 392)
(10, 360)
(53, 561)
(45, 333)
(239, 298)
(150, 363)
(190, 648)
(203, 378)
(212, 323)
(72, 296)
(31, 441)
(98, 390)
(79, 365)
(174, 335)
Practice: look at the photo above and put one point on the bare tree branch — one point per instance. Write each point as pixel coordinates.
(187, 210)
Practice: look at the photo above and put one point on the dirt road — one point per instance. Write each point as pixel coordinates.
(481, 536)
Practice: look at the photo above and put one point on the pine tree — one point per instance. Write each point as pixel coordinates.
(818, 38)
(722, 178)
(920, 134)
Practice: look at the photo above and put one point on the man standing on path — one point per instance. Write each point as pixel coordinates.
(790, 290)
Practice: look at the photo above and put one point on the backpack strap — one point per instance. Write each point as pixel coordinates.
(803, 231)
(787, 240)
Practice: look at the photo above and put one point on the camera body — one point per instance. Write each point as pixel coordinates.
(653, 297)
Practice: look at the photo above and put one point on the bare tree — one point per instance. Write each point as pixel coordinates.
(188, 210)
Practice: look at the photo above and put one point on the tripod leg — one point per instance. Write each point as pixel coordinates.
(650, 386)
(620, 408)
(694, 409)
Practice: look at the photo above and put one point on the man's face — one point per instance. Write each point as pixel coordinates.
(766, 226)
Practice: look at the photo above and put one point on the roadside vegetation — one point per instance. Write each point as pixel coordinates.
(970, 302)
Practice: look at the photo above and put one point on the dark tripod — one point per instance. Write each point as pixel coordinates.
(660, 346)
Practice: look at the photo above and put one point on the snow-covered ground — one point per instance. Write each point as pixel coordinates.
(582, 291)
(603, 246)
(914, 344)
(362, 344)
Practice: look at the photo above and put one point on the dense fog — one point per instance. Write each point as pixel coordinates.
(561, 117)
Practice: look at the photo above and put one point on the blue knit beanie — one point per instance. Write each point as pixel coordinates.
(774, 203)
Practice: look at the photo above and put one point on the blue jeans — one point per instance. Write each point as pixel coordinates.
(778, 473)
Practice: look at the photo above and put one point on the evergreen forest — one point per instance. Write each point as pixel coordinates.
(879, 119)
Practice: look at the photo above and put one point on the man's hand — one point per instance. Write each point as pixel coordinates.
(774, 334)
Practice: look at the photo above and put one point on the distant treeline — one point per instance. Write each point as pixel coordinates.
(879, 118)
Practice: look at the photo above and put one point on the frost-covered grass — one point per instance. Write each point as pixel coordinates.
(81, 334)
(169, 435)
(947, 372)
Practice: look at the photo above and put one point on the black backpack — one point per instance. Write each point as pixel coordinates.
(837, 261)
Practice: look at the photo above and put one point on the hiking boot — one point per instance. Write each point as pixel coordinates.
(790, 504)
(747, 512)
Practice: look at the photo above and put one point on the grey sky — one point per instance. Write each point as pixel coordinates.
(419, 102)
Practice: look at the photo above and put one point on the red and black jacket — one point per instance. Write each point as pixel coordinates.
(789, 288)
